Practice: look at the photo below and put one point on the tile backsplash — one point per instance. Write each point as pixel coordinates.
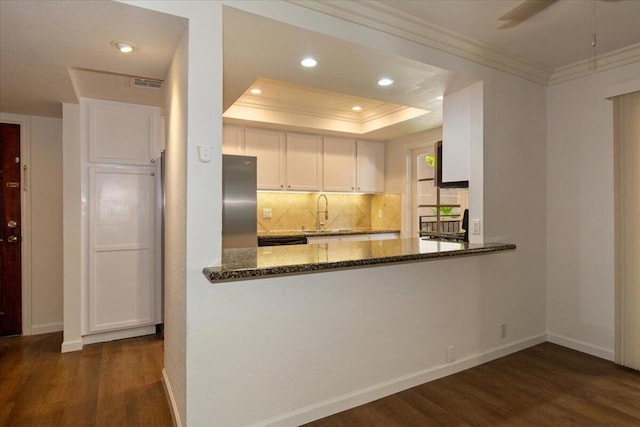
(292, 211)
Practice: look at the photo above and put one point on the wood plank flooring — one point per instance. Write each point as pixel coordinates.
(546, 385)
(108, 384)
(119, 384)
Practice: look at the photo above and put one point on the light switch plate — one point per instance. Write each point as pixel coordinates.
(266, 213)
(204, 153)
(475, 227)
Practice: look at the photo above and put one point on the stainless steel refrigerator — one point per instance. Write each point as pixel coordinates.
(239, 178)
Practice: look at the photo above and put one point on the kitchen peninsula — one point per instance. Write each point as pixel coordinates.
(248, 263)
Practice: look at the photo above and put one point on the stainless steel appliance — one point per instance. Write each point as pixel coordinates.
(239, 222)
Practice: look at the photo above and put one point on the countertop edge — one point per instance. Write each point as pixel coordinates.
(216, 277)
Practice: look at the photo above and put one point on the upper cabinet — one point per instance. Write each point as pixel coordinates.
(462, 129)
(304, 160)
(269, 147)
(370, 167)
(307, 162)
(233, 139)
(122, 133)
(339, 160)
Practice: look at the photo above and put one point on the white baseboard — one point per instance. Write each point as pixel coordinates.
(46, 328)
(377, 391)
(69, 346)
(175, 414)
(584, 347)
(118, 335)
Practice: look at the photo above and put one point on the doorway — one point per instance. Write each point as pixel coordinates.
(10, 231)
(433, 210)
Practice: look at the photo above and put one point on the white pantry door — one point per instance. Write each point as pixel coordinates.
(121, 248)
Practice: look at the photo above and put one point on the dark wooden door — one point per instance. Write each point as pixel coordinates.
(10, 235)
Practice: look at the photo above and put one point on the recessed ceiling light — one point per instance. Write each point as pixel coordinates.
(308, 62)
(385, 82)
(440, 98)
(123, 47)
(356, 108)
(256, 91)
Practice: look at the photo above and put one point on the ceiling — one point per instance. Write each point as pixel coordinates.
(53, 51)
(257, 47)
(557, 36)
(41, 39)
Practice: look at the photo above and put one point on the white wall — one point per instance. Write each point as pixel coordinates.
(46, 224)
(72, 235)
(175, 258)
(200, 201)
(283, 351)
(580, 286)
(287, 350)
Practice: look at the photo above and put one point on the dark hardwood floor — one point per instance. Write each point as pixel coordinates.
(109, 384)
(545, 385)
(119, 384)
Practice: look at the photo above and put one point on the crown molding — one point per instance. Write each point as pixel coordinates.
(377, 16)
(607, 61)
(383, 18)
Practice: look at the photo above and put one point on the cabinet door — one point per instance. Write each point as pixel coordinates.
(268, 147)
(338, 163)
(123, 133)
(370, 167)
(232, 140)
(121, 248)
(303, 162)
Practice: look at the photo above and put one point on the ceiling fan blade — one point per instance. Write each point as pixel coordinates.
(524, 11)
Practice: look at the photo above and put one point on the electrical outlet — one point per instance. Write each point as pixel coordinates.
(266, 213)
(451, 354)
(380, 213)
(503, 331)
(475, 227)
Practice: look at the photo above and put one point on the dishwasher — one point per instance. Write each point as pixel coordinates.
(281, 241)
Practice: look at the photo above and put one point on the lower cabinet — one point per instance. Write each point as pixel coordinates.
(353, 238)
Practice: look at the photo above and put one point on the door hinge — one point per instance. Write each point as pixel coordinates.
(24, 179)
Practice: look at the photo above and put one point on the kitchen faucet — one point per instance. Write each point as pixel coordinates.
(319, 224)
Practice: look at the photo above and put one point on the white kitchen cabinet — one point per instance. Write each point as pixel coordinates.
(233, 140)
(370, 159)
(339, 164)
(307, 162)
(122, 283)
(122, 133)
(303, 162)
(353, 238)
(269, 147)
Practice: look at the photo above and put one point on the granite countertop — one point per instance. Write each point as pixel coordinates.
(251, 263)
(329, 232)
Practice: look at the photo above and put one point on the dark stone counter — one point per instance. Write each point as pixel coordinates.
(251, 263)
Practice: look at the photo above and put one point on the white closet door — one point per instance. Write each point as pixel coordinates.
(121, 248)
